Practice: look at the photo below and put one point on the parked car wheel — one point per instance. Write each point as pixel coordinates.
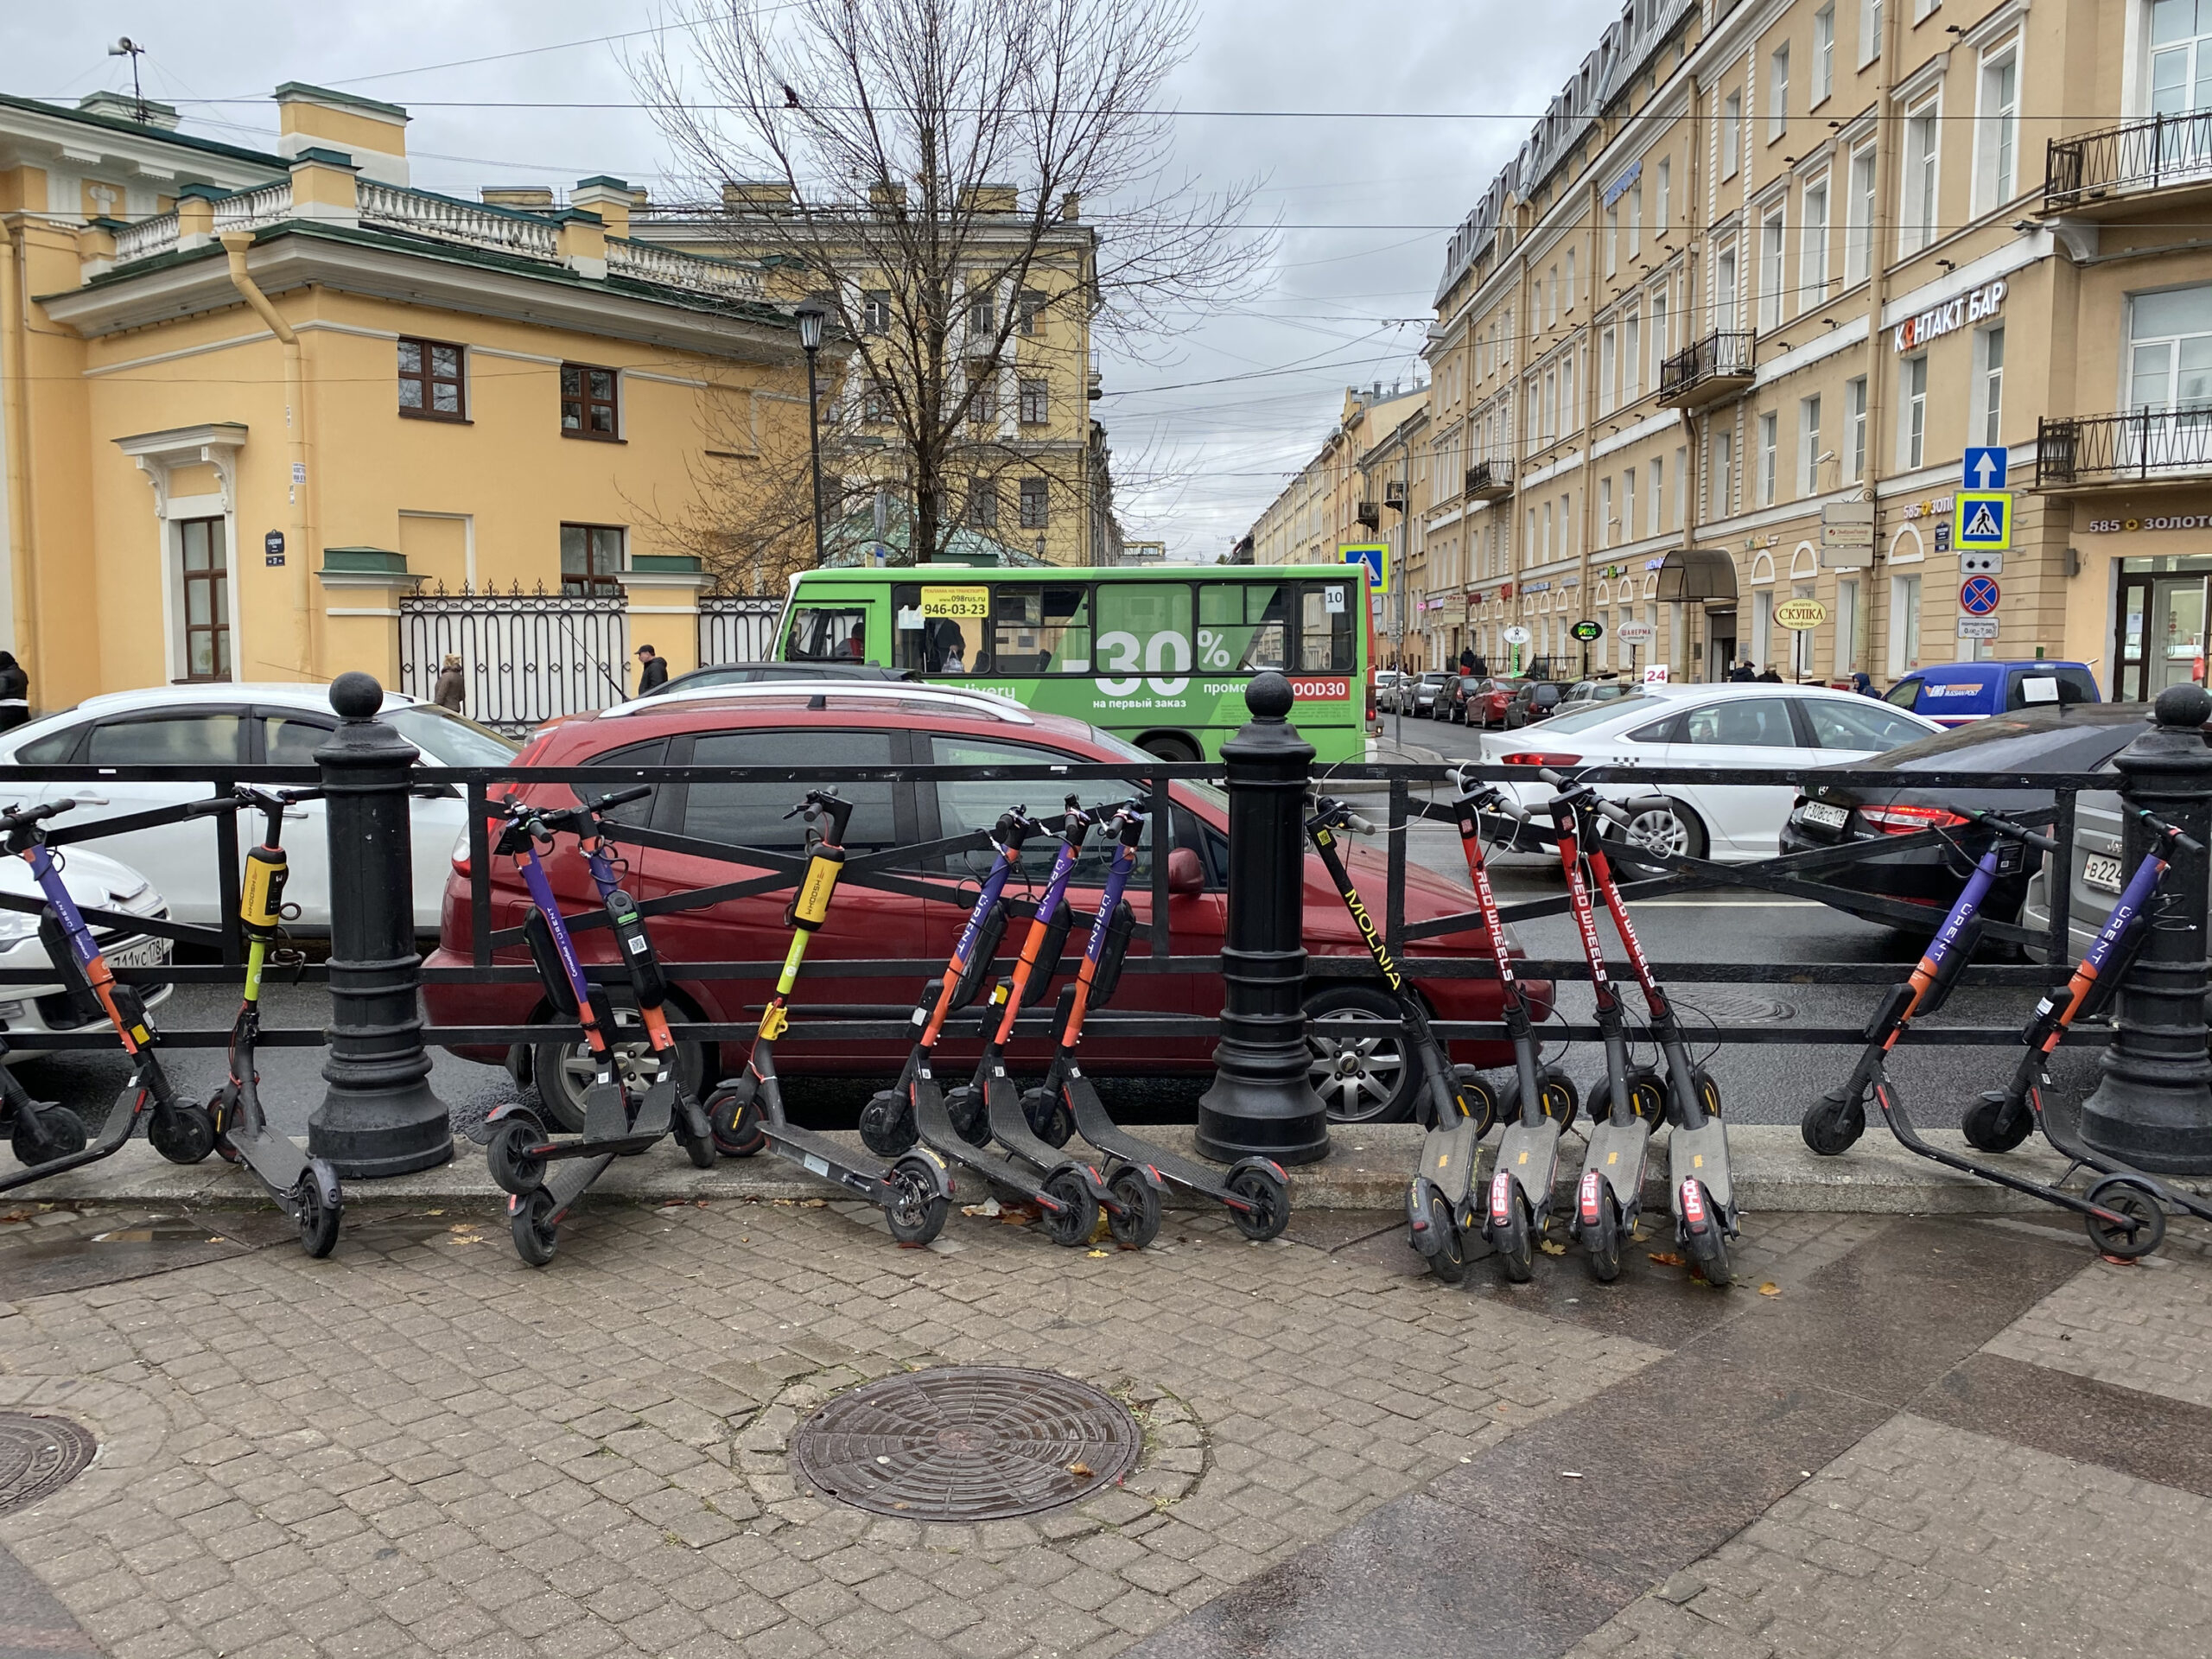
(1170, 747)
(564, 1070)
(1361, 1079)
(1679, 832)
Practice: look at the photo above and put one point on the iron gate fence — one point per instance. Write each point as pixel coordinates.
(737, 628)
(526, 658)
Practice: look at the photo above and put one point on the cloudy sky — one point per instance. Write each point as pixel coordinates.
(1204, 433)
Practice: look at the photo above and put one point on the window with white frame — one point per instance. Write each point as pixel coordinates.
(2181, 57)
(1632, 355)
(1547, 301)
(1870, 31)
(1724, 292)
(2169, 350)
(1567, 302)
(1923, 8)
(1628, 504)
(1570, 413)
(1549, 429)
(1769, 441)
(1813, 246)
(1658, 332)
(1859, 218)
(1912, 394)
(1605, 512)
(1823, 54)
(1612, 239)
(1923, 145)
(1809, 445)
(1997, 162)
(1988, 385)
(1777, 92)
(1662, 193)
(1854, 413)
(1636, 220)
(1654, 496)
(1546, 545)
(1770, 270)
(1608, 352)
(1732, 133)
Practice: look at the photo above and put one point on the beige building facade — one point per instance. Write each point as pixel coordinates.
(1761, 267)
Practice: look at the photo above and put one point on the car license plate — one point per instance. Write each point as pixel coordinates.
(1828, 817)
(147, 953)
(2100, 871)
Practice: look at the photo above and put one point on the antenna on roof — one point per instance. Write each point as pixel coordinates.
(127, 48)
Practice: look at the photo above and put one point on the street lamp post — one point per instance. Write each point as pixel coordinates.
(811, 317)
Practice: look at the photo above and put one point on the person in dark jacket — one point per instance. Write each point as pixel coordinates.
(14, 692)
(1772, 676)
(654, 672)
(1863, 684)
(1741, 674)
(451, 692)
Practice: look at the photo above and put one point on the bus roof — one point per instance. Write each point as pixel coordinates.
(972, 574)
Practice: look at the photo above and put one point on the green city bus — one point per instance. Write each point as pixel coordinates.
(1160, 655)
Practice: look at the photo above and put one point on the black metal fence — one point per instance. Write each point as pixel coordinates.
(737, 628)
(2146, 443)
(526, 658)
(2136, 155)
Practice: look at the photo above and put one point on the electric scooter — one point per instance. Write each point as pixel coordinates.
(180, 1129)
(1457, 1106)
(1066, 1200)
(2002, 1118)
(519, 1151)
(306, 1186)
(1254, 1191)
(747, 1112)
(2126, 1222)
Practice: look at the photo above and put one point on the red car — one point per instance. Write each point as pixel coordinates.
(889, 724)
(1487, 708)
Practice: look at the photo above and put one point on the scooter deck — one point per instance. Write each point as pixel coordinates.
(1529, 1152)
(934, 1125)
(1096, 1126)
(1448, 1158)
(122, 1118)
(1618, 1152)
(1010, 1128)
(1703, 1153)
(608, 1129)
(818, 1154)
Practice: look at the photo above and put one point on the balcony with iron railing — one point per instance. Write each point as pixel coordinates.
(1490, 480)
(2092, 174)
(2144, 445)
(1718, 366)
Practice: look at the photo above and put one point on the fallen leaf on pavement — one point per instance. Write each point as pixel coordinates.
(1550, 1248)
(814, 1203)
(1017, 1215)
(1081, 1470)
(1665, 1258)
(1769, 1289)
(1095, 1255)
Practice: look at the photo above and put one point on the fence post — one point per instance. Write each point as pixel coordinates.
(1263, 1100)
(2153, 1108)
(379, 1117)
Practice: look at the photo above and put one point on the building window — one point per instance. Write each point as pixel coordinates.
(1658, 333)
(1812, 255)
(588, 403)
(1912, 431)
(1544, 547)
(1612, 239)
(1724, 464)
(1605, 512)
(1859, 218)
(1632, 355)
(1989, 391)
(1570, 293)
(982, 312)
(875, 311)
(207, 566)
(876, 405)
(1996, 163)
(1651, 525)
(1628, 504)
(1724, 292)
(1732, 133)
(2181, 53)
(429, 381)
(1809, 446)
(1032, 306)
(1769, 440)
(1636, 222)
(1923, 157)
(1777, 92)
(983, 503)
(1608, 353)
(1870, 31)
(2169, 350)
(591, 558)
(982, 393)
(1770, 270)
(1823, 54)
(1855, 409)
(1036, 404)
(1904, 626)
(1035, 511)
(1921, 9)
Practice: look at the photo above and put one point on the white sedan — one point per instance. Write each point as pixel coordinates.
(92, 880)
(1716, 726)
(215, 727)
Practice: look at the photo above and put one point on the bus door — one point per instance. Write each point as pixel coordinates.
(829, 625)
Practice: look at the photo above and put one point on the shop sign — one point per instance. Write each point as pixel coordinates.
(2165, 521)
(1940, 320)
(1941, 504)
(1799, 614)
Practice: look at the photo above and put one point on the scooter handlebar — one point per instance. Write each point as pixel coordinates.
(621, 797)
(1626, 813)
(2010, 830)
(2171, 832)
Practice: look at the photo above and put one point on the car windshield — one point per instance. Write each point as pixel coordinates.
(449, 740)
(2079, 741)
(1587, 715)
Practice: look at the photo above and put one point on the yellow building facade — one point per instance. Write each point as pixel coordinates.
(253, 407)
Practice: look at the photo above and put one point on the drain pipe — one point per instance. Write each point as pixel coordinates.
(235, 243)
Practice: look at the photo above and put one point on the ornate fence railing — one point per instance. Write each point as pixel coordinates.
(526, 658)
(737, 628)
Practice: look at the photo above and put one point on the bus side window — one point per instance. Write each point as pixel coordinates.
(910, 639)
(827, 633)
(1015, 647)
(1324, 642)
(1144, 629)
(1241, 624)
(1067, 637)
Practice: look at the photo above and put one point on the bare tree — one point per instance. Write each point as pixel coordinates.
(890, 132)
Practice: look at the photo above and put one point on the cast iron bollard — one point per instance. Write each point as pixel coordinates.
(2154, 1106)
(379, 1117)
(1262, 1100)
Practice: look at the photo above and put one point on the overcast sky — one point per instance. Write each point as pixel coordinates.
(1204, 440)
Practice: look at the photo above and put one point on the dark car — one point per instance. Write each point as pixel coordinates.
(763, 673)
(1531, 701)
(1608, 690)
(2079, 737)
(1428, 693)
(1461, 691)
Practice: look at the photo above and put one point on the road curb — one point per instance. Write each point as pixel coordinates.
(1366, 1170)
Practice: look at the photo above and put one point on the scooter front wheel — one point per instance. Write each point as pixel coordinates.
(966, 1106)
(1647, 1096)
(1560, 1099)
(1709, 1251)
(537, 1234)
(1515, 1240)
(1048, 1117)
(183, 1133)
(507, 1155)
(1135, 1220)
(2124, 1196)
(886, 1127)
(1833, 1123)
(733, 1118)
(1989, 1128)
(54, 1132)
(1070, 1226)
(916, 1214)
(1477, 1098)
(1265, 1197)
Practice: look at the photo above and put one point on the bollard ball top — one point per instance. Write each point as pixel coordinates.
(356, 695)
(1268, 696)
(2182, 706)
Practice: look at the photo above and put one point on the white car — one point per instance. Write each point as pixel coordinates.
(1717, 726)
(214, 727)
(92, 879)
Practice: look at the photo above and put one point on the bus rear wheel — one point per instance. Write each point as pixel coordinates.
(1168, 746)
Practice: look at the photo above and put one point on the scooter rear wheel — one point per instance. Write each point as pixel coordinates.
(886, 1127)
(917, 1214)
(318, 1221)
(1070, 1225)
(1515, 1242)
(536, 1233)
(1647, 1096)
(1268, 1197)
(734, 1119)
(2124, 1196)
(507, 1156)
(1833, 1123)
(1048, 1116)
(184, 1134)
(1561, 1100)
(1603, 1242)
(54, 1132)
(699, 1148)
(1138, 1201)
(1708, 1091)
(1990, 1128)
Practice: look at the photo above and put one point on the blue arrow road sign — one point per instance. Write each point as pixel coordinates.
(1978, 595)
(1984, 468)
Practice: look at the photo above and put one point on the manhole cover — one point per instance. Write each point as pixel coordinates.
(1732, 1008)
(38, 1455)
(966, 1443)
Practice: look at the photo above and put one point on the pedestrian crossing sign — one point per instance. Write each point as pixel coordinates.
(1982, 521)
(1376, 555)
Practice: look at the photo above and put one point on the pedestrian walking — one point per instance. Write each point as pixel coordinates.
(451, 691)
(1742, 673)
(1862, 684)
(1772, 676)
(14, 692)
(653, 673)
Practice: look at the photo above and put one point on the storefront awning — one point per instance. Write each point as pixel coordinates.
(1697, 575)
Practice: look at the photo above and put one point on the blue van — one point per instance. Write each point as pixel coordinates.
(1951, 694)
